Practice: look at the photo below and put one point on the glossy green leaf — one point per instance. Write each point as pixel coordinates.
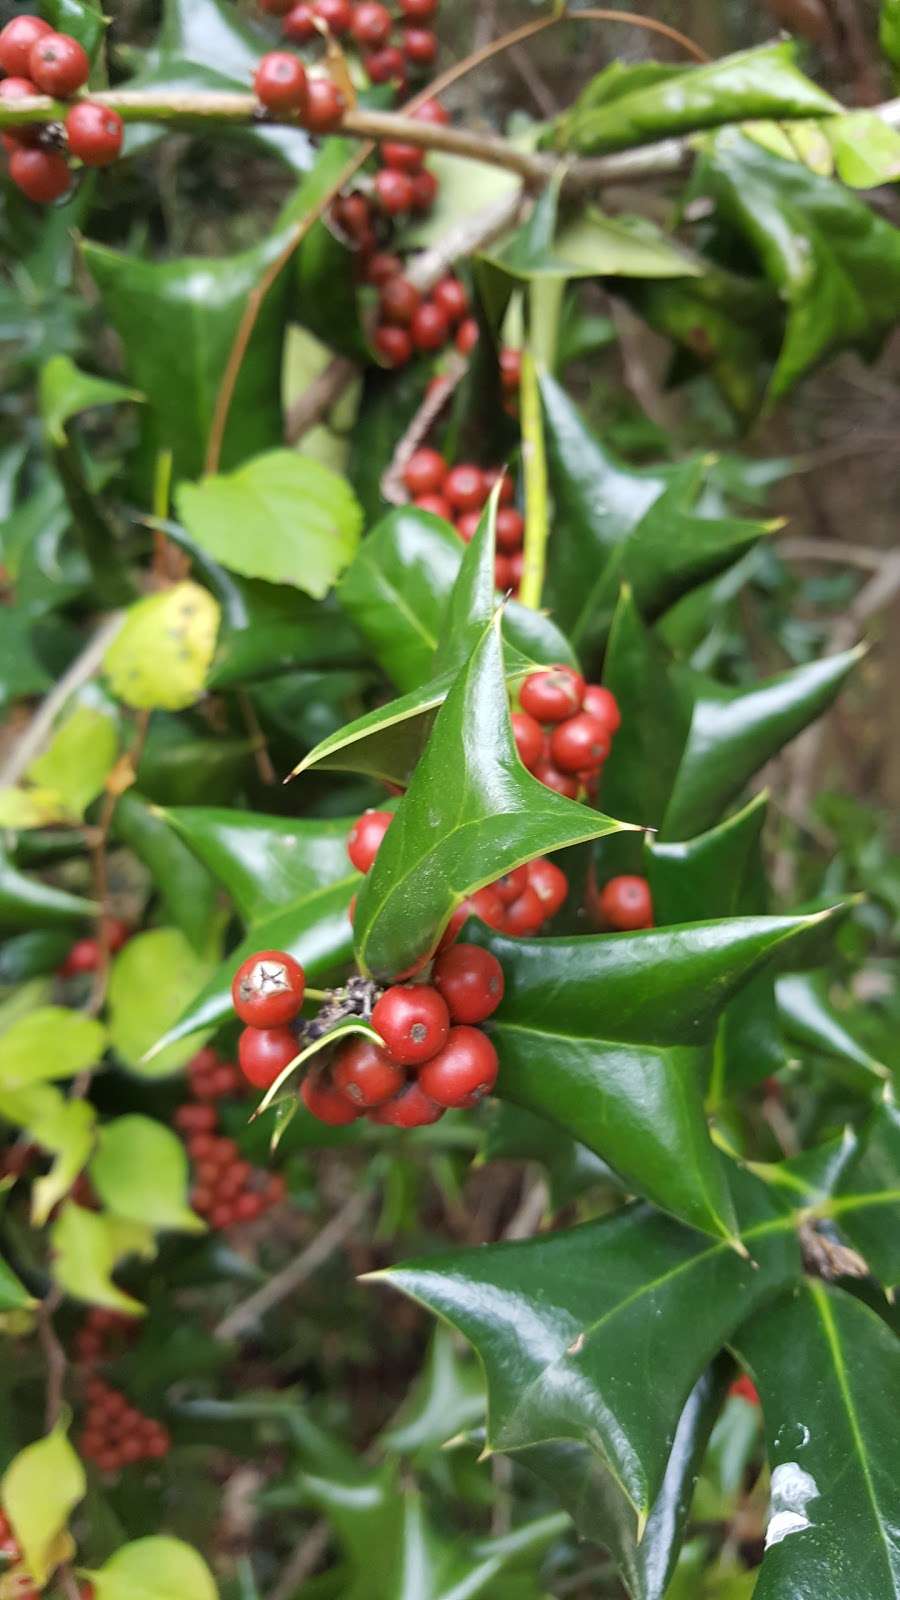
(397, 587)
(828, 1371)
(160, 656)
(592, 245)
(27, 902)
(447, 1399)
(752, 84)
(642, 766)
(140, 1171)
(32, 955)
(153, 978)
(49, 1043)
(39, 1491)
(65, 391)
(723, 325)
(811, 1020)
(326, 281)
(471, 812)
(266, 863)
(83, 19)
(705, 876)
(833, 259)
(280, 516)
(157, 1568)
(866, 1189)
(470, 604)
(514, 1134)
(87, 1248)
(600, 1034)
(556, 1322)
(186, 889)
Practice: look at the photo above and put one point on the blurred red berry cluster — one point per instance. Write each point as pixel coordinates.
(227, 1189)
(38, 60)
(116, 1434)
(459, 494)
(394, 44)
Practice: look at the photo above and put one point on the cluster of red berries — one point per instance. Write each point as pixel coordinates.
(101, 1330)
(458, 494)
(84, 955)
(38, 60)
(228, 1190)
(392, 47)
(115, 1434)
(211, 1077)
(564, 729)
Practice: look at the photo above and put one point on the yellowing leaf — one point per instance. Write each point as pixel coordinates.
(30, 808)
(39, 1491)
(88, 1246)
(48, 1043)
(154, 1569)
(161, 655)
(141, 1171)
(76, 763)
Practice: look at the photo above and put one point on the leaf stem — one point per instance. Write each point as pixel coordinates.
(534, 461)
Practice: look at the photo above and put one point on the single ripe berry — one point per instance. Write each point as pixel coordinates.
(365, 1075)
(393, 344)
(452, 298)
(529, 739)
(525, 915)
(418, 10)
(436, 504)
(425, 472)
(325, 106)
(420, 46)
(381, 267)
(280, 82)
(467, 525)
(550, 776)
(386, 65)
(467, 336)
(354, 214)
(42, 175)
(463, 1072)
(413, 1021)
(602, 704)
(371, 24)
(19, 89)
(580, 744)
(510, 530)
(94, 133)
(553, 695)
(336, 14)
(84, 955)
(465, 488)
(511, 885)
(405, 157)
(394, 191)
(58, 64)
(432, 111)
(625, 903)
(425, 190)
(267, 989)
(430, 328)
(365, 838)
(16, 42)
(400, 300)
(264, 1053)
(549, 883)
(510, 369)
(325, 1102)
(471, 982)
(299, 25)
(409, 1109)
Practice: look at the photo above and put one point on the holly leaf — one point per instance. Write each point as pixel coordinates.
(266, 863)
(39, 1491)
(866, 1194)
(828, 1372)
(396, 588)
(811, 1020)
(187, 891)
(447, 1399)
(64, 391)
(140, 1171)
(556, 1321)
(706, 876)
(471, 813)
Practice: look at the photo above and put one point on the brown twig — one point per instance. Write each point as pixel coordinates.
(436, 397)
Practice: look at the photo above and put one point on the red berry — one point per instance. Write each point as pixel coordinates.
(430, 328)
(399, 300)
(604, 706)
(467, 336)
(19, 89)
(525, 915)
(58, 64)
(503, 573)
(383, 65)
(467, 525)
(487, 905)
(432, 111)
(365, 838)
(354, 213)
(299, 25)
(550, 776)
(248, 1206)
(511, 885)
(43, 176)
(510, 369)
(381, 267)
(419, 10)
(553, 695)
(405, 157)
(413, 1020)
(436, 504)
(325, 106)
(409, 1109)
(549, 883)
(510, 529)
(425, 472)
(371, 23)
(529, 739)
(425, 190)
(84, 955)
(393, 344)
(264, 1053)
(366, 1075)
(337, 14)
(471, 982)
(452, 298)
(280, 82)
(625, 903)
(325, 1102)
(195, 1119)
(580, 744)
(16, 42)
(94, 133)
(267, 989)
(394, 191)
(465, 488)
(463, 1072)
(420, 46)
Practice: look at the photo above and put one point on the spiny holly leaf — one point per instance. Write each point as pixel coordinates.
(186, 889)
(866, 1192)
(556, 1321)
(811, 1020)
(471, 813)
(266, 863)
(833, 259)
(448, 1398)
(828, 1371)
(704, 876)
(628, 107)
(28, 903)
(514, 1134)
(600, 1034)
(642, 766)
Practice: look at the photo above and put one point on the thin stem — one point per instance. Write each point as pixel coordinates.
(534, 461)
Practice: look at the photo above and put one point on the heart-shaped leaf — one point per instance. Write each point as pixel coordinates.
(40, 1489)
(140, 1171)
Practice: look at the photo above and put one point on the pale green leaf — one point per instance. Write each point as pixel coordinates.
(154, 1569)
(140, 1171)
(78, 760)
(39, 1491)
(51, 1042)
(161, 655)
(87, 1247)
(154, 979)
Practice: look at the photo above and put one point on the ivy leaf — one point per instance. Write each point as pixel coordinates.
(64, 391)
(828, 1372)
(835, 261)
(760, 83)
(621, 1016)
(811, 1020)
(87, 1247)
(153, 978)
(266, 863)
(556, 1321)
(157, 1568)
(281, 516)
(140, 1171)
(161, 655)
(471, 813)
(187, 891)
(51, 1042)
(40, 1489)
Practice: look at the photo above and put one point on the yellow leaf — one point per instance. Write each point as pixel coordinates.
(161, 655)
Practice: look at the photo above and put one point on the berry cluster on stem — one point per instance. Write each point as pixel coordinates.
(39, 60)
(228, 1190)
(393, 45)
(564, 729)
(115, 1433)
(459, 493)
